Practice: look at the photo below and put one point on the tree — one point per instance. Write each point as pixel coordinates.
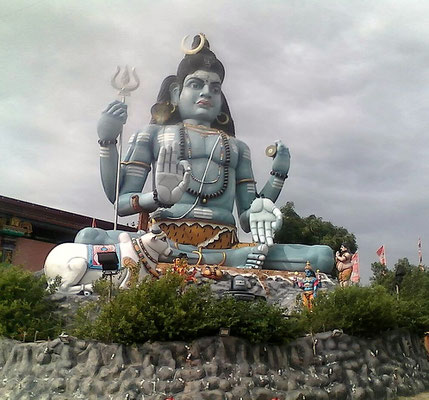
(312, 230)
(389, 279)
(382, 276)
(402, 268)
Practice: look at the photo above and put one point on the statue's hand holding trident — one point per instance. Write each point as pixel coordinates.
(114, 116)
(171, 176)
(111, 123)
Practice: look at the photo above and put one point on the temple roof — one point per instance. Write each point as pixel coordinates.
(51, 224)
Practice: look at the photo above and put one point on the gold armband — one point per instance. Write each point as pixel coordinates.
(246, 180)
(138, 163)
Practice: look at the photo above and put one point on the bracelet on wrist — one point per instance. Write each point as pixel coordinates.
(104, 142)
(157, 202)
(135, 203)
(280, 175)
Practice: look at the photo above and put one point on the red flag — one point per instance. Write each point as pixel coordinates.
(419, 245)
(94, 224)
(355, 278)
(381, 253)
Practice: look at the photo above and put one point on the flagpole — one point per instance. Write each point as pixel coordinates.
(419, 252)
(355, 277)
(385, 257)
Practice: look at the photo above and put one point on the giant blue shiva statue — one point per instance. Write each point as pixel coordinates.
(199, 170)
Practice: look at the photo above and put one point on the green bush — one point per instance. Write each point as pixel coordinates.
(169, 309)
(256, 321)
(24, 306)
(360, 311)
(414, 301)
(368, 311)
(103, 289)
(410, 290)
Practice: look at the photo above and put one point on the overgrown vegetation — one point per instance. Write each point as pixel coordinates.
(409, 284)
(360, 311)
(169, 309)
(397, 298)
(257, 321)
(25, 310)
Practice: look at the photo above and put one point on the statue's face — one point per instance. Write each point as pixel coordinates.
(200, 99)
(307, 273)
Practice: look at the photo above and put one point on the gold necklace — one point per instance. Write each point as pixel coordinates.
(202, 129)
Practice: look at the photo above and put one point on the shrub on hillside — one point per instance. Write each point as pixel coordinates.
(409, 285)
(414, 301)
(24, 305)
(256, 321)
(360, 311)
(169, 309)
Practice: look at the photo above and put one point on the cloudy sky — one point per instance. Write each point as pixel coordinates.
(342, 83)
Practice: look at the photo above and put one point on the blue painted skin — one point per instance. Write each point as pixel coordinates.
(199, 102)
(285, 257)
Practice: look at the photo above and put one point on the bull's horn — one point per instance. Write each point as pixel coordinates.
(155, 229)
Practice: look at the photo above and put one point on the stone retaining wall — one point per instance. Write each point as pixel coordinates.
(326, 366)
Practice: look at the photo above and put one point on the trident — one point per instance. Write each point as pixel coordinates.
(125, 88)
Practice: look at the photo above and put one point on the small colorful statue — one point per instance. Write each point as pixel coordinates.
(212, 272)
(182, 267)
(309, 286)
(178, 263)
(344, 264)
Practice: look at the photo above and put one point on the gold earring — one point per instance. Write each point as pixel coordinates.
(161, 112)
(225, 121)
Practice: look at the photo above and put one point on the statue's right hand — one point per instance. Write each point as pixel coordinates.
(112, 121)
(172, 177)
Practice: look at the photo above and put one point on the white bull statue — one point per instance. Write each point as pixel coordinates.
(78, 267)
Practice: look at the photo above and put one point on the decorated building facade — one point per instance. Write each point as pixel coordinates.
(28, 231)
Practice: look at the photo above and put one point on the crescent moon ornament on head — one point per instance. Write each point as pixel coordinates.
(197, 49)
